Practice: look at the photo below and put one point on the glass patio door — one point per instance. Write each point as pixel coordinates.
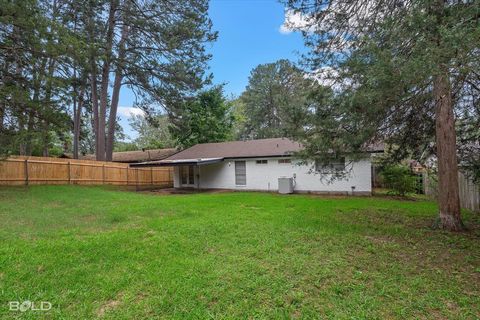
(187, 175)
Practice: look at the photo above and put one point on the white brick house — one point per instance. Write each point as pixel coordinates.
(257, 165)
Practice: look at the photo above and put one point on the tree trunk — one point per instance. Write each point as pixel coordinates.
(30, 131)
(48, 104)
(116, 93)
(93, 84)
(78, 100)
(448, 190)
(2, 105)
(46, 139)
(101, 117)
(101, 153)
(93, 79)
(2, 115)
(77, 119)
(31, 114)
(75, 123)
(22, 146)
(19, 103)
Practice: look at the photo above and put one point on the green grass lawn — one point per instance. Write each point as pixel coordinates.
(95, 252)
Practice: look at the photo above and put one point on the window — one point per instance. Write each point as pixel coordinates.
(334, 165)
(240, 173)
(187, 174)
(262, 161)
(284, 161)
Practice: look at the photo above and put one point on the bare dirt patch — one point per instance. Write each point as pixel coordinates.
(109, 305)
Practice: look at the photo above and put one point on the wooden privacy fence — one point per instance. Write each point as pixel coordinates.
(41, 170)
(469, 191)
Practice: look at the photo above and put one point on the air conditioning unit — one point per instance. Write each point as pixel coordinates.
(285, 185)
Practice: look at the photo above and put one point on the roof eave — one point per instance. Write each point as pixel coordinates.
(179, 162)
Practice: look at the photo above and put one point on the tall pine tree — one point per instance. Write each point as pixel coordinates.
(397, 67)
(276, 100)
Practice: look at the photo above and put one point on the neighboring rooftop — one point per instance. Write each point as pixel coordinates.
(134, 156)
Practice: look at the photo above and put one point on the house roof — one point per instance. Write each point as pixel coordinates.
(134, 156)
(240, 149)
(206, 153)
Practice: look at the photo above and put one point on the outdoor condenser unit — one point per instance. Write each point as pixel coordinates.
(285, 185)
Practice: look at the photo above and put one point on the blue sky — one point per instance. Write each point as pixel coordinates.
(249, 34)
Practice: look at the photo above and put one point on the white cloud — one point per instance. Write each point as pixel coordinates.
(295, 21)
(329, 77)
(284, 29)
(331, 14)
(130, 111)
(325, 76)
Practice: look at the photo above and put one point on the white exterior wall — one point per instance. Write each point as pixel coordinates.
(176, 177)
(265, 176)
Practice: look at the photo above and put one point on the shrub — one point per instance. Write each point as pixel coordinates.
(399, 179)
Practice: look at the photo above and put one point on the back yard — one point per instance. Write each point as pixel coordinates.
(93, 252)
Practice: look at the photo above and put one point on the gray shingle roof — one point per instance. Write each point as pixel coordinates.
(239, 149)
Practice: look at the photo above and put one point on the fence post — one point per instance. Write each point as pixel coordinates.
(151, 176)
(103, 173)
(26, 172)
(69, 173)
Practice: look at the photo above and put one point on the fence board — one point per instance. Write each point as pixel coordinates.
(42, 170)
(469, 193)
(13, 172)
